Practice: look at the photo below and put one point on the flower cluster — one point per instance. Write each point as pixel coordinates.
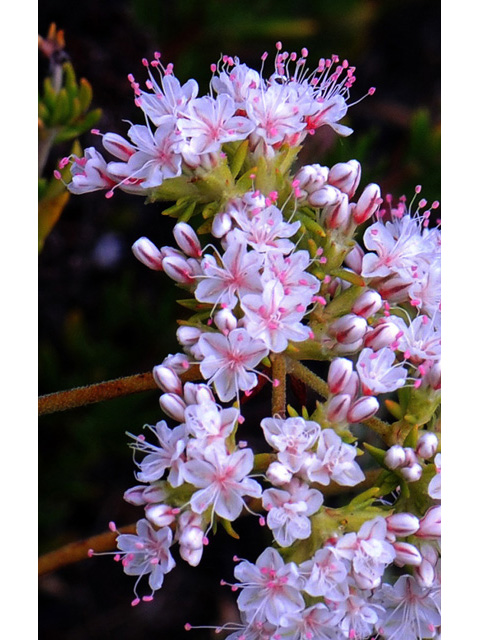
(296, 266)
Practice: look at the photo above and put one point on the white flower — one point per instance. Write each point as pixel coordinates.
(325, 575)
(222, 481)
(291, 438)
(333, 460)
(434, 487)
(377, 371)
(288, 511)
(228, 361)
(270, 589)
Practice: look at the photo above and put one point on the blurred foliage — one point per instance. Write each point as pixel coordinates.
(102, 315)
(63, 115)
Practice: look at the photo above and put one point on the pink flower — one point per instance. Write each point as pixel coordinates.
(229, 360)
(378, 373)
(222, 481)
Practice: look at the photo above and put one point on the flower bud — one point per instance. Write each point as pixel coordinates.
(362, 409)
(367, 204)
(406, 553)
(221, 225)
(430, 524)
(434, 376)
(352, 385)
(173, 405)
(427, 445)
(161, 515)
(187, 240)
(383, 335)
(135, 496)
(394, 289)
(412, 473)
(225, 321)
(348, 329)
(197, 393)
(345, 349)
(148, 254)
(402, 524)
(367, 304)
(345, 176)
(192, 556)
(337, 216)
(395, 457)
(178, 362)
(153, 494)
(278, 474)
(410, 457)
(339, 374)
(425, 574)
(324, 196)
(338, 407)
(354, 258)
(118, 146)
(167, 379)
(178, 269)
(188, 336)
(191, 537)
(311, 177)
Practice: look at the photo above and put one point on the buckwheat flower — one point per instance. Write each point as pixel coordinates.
(209, 425)
(228, 361)
(358, 615)
(275, 318)
(147, 553)
(291, 272)
(168, 99)
(326, 575)
(270, 588)
(288, 510)
(419, 339)
(169, 455)
(378, 373)
(291, 437)
(368, 551)
(222, 481)
(264, 230)
(237, 83)
(314, 623)
(157, 157)
(410, 610)
(237, 276)
(207, 123)
(333, 460)
(90, 173)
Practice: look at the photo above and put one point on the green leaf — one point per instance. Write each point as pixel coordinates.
(239, 158)
(85, 94)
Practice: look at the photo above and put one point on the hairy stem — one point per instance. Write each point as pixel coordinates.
(279, 391)
(76, 551)
(81, 396)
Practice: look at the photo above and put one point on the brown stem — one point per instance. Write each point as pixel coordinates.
(81, 396)
(279, 391)
(76, 551)
(304, 374)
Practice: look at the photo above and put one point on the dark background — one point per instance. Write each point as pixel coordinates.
(103, 315)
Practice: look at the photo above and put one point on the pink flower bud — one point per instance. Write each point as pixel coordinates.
(352, 385)
(348, 348)
(427, 446)
(412, 473)
(362, 409)
(410, 457)
(225, 321)
(118, 146)
(154, 494)
(337, 216)
(187, 240)
(173, 405)
(324, 196)
(383, 335)
(278, 474)
(345, 176)
(430, 524)
(394, 289)
(135, 496)
(338, 407)
(188, 336)
(311, 177)
(348, 329)
(402, 524)
(425, 574)
(354, 258)
(395, 457)
(221, 225)
(167, 379)
(161, 515)
(339, 374)
(178, 362)
(192, 537)
(178, 269)
(434, 376)
(197, 393)
(367, 304)
(192, 556)
(367, 204)
(406, 553)
(148, 254)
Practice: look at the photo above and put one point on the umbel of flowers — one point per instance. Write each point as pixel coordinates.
(280, 266)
